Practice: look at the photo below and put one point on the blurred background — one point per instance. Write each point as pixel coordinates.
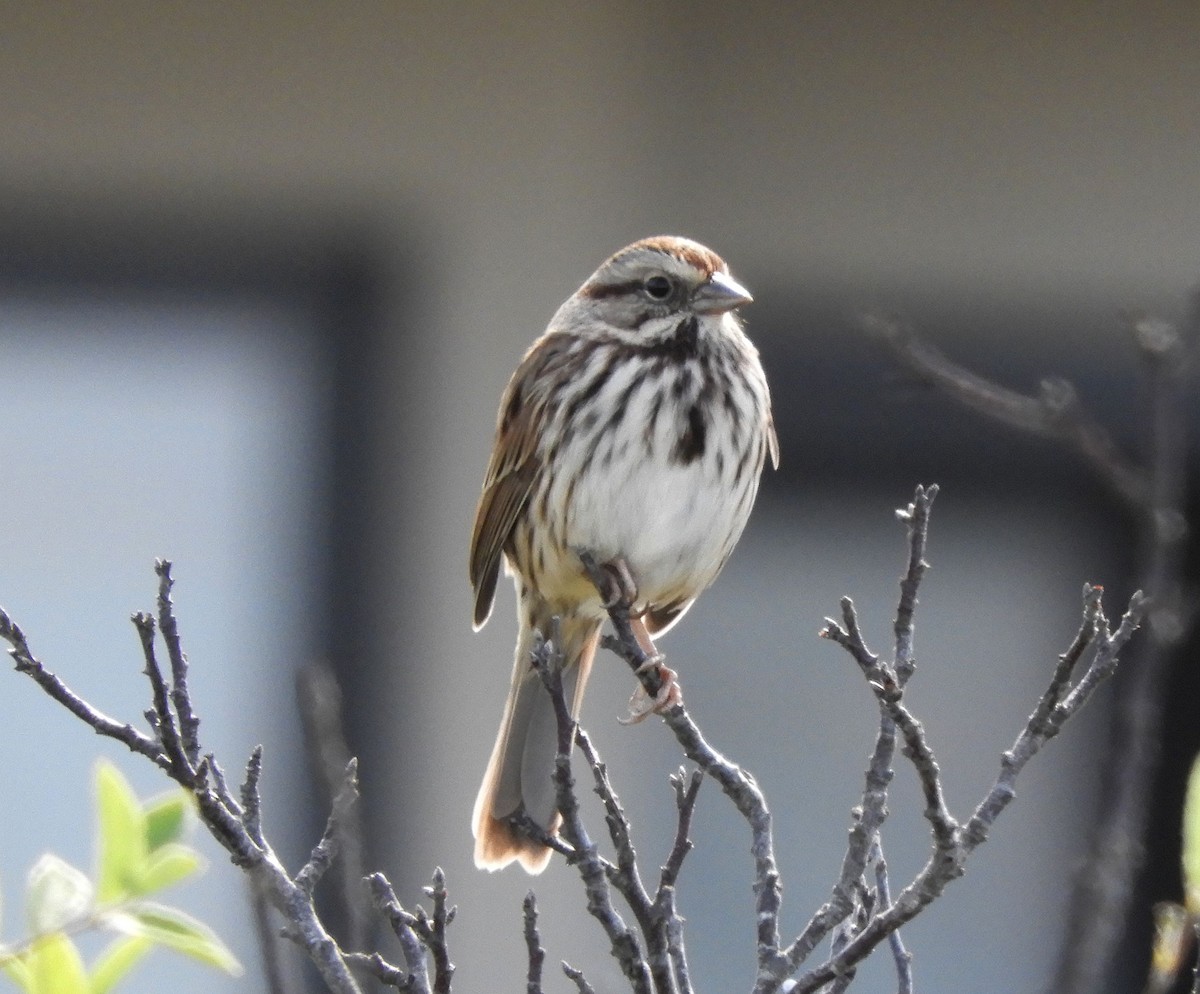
(265, 269)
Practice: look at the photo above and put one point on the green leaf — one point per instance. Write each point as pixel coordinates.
(166, 819)
(57, 894)
(55, 967)
(122, 844)
(167, 865)
(118, 959)
(176, 930)
(1191, 841)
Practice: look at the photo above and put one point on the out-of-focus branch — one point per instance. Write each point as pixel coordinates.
(1055, 412)
(320, 700)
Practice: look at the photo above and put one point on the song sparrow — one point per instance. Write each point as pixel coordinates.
(635, 429)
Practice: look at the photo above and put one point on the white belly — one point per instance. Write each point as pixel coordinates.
(674, 526)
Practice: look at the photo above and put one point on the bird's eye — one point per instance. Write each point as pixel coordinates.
(658, 287)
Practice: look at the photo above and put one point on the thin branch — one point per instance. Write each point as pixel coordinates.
(1043, 725)
(189, 724)
(889, 693)
(404, 927)
(326, 849)
(916, 516)
(432, 929)
(577, 977)
(1101, 905)
(388, 973)
(251, 799)
(533, 945)
(99, 722)
(868, 817)
(594, 870)
(738, 786)
(900, 956)
(1153, 491)
(625, 876)
(268, 939)
(687, 790)
(950, 853)
(202, 778)
(162, 718)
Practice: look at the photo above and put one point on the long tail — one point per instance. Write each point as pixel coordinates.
(519, 774)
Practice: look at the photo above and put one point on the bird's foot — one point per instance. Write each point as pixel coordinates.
(615, 583)
(642, 704)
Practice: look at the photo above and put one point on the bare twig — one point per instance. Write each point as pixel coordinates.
(533, 946)
(268, 941)
(404, 926)
(189, 724)
(388, 973)
(594, 870)
(251, 799)
(161, 717)
(916, 516)
(99, 722)
(687, 790)
(1105, 886)
(868, 817)
(738, 786)
(432, 928)
(626, 877)
(421, 934)
(235, 826)
(1153, 491)
(326, 849)
(953, 845)
(577, 977)
(900, 956)
(889, 692)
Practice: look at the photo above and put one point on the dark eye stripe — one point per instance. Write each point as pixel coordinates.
(599, 291)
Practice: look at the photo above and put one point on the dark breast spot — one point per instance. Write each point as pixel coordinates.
(682, 344)
(692, 437)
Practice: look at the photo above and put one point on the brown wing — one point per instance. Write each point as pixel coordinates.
(499, 506)
(513, 469)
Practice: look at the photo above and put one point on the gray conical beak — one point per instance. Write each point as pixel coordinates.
(718, 294)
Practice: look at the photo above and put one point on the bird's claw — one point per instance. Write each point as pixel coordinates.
(642, 705)
(615, 583)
